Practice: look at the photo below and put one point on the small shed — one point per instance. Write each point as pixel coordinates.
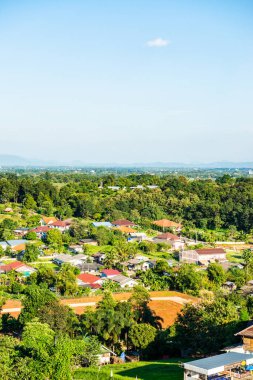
(105, 355)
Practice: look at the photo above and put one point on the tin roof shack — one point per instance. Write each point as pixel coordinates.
(231, 365)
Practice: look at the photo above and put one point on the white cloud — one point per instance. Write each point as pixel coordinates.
(158, 42)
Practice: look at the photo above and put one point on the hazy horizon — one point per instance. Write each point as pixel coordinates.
(127, 82)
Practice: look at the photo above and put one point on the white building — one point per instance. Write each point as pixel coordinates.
(203, 256)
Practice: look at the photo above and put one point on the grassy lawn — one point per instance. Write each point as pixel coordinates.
(158, 370)
(235, 257)
(47, 264)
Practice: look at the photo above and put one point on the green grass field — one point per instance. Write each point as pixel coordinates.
(235, 257)
(158, 370)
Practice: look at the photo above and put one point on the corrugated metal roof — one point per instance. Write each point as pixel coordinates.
(102, 224)
(217, 361)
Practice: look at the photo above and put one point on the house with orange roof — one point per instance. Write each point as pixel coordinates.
(125, 229)
(14, 245)
(47, 220)
(166, 223)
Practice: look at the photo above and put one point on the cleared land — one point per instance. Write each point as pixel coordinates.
(165, 304)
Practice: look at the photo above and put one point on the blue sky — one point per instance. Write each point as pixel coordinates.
(127, 81)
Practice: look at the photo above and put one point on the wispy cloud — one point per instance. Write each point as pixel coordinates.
(158, 42)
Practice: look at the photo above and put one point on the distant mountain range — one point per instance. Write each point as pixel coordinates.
(17, 161)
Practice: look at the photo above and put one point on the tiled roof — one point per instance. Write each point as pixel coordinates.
(20, 247)
(123, 222)
(59, 223)
(14, 243)
(11, 266)
(248, 332)
(110, 272)
(49, 219)
(210, 251)
(167, 223)
(88, 278)
(125, 229)
(168, 236)
(95, 286)
(41, 229)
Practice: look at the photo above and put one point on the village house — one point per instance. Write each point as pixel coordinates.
(41, 231)
(47, 220)
(75, 260)
(125, 230)
(123, 281)
(19, 267)
(168, 224)
(76, 248)
(247, 338)
(93, 268)
(165, 224)
(21, 231)
(203, 256)
(89, 242)
(102, 224)
(60, 225)
(137, 236)
(136, 264)
(14, 245)
(89, 281)
(168, 238)
(99, 257)
(109, 273)
(123, 223)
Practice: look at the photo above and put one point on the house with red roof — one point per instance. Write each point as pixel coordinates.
(18, 267)
(41, 231)
(123, 223)
(109, 273)
(89, 280)
(60, 225)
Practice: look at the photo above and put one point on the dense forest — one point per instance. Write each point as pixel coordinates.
(224, 203)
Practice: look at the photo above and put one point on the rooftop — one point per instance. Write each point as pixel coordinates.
(248, 332)
(123, 222)
(12, 266)
(165, 223)
(168, 236)
(210, 251)
(215, 364)
(110, 272)
(102, 224)
(88, 278)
